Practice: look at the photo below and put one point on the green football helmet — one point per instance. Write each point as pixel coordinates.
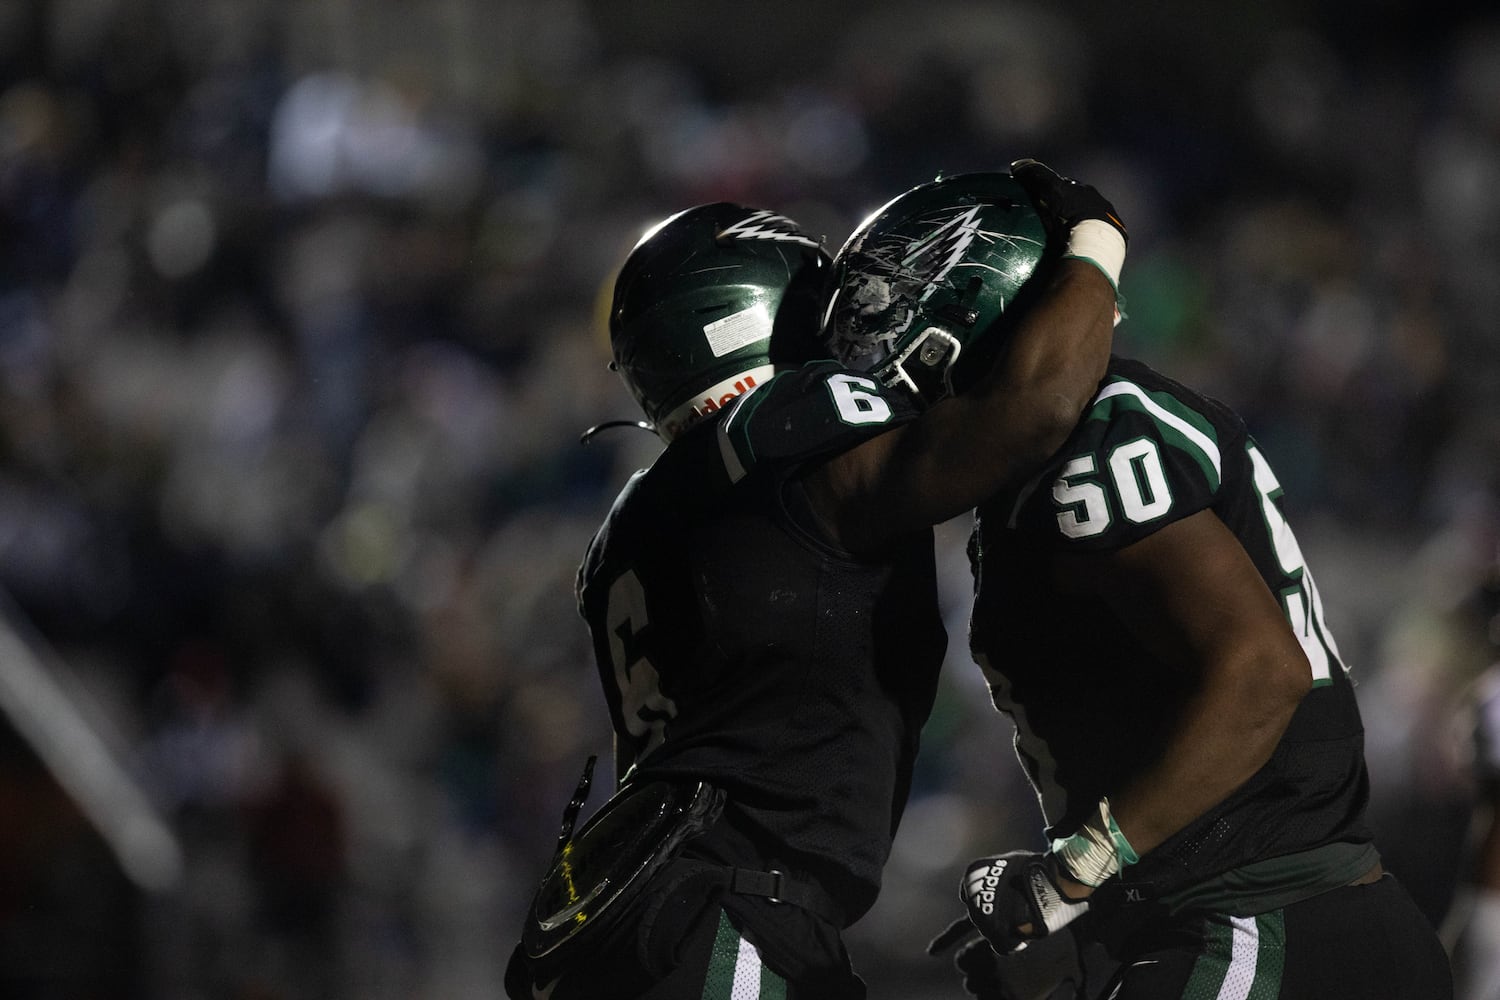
(926, 286)
(697, 302)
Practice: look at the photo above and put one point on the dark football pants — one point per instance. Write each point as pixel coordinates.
(1358, 942)
(686, 938)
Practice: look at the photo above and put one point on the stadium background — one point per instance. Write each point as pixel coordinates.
(299, 325)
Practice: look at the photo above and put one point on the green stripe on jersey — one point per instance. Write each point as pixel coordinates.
(1181, 426)
(734, 441)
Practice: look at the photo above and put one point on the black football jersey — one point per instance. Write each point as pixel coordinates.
(1091, 705)
(736, 644)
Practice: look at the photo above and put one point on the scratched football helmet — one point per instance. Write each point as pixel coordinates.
(696, 304)
(926, 287)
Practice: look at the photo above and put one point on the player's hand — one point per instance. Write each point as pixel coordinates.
(1063, 202)
(1012, 899)
(1079, 215)
(1050, 967)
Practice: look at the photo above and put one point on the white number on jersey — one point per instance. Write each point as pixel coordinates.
(645, 709)
(1303, 603)
(858, 399)
(1138, 479)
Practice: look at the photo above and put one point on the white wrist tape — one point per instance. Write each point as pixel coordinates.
(1097, 850)
(1099, 243)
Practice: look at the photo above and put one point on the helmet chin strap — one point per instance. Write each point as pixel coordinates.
(588, 435)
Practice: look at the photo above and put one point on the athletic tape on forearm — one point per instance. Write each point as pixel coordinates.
(1099, 243)
(1097, 850)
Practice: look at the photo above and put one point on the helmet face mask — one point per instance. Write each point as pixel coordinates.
(924, 366)
(929, 279)
(702, 300)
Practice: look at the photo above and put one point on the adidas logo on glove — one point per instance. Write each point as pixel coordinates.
(984, 880)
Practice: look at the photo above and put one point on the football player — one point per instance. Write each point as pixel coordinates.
(1145, 616)
(763, 598)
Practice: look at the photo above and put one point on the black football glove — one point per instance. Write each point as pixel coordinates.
(1004, 893)
(1061, 201)
(1046, 969)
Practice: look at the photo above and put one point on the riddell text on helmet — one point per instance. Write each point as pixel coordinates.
(715, 398)
(709, 404)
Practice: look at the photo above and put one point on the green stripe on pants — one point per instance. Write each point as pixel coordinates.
(735, 971)
(1243, 959)
(1270, 957)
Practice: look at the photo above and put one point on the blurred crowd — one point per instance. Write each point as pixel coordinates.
(300, 321)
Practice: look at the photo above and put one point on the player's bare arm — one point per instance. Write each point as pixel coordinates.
(969, 446)
(1192, 594)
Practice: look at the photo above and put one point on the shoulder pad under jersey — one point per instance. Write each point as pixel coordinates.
(819, 409)
(1145, 454)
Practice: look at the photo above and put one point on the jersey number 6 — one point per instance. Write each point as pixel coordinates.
(644, 708)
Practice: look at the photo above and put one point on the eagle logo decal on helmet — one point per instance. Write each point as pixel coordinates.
(899, 274)
(764, 225)
(930, 274)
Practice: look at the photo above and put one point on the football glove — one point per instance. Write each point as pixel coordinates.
(1005, 893)
(1078, 214)
(1063, 202)
(1046, 969)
